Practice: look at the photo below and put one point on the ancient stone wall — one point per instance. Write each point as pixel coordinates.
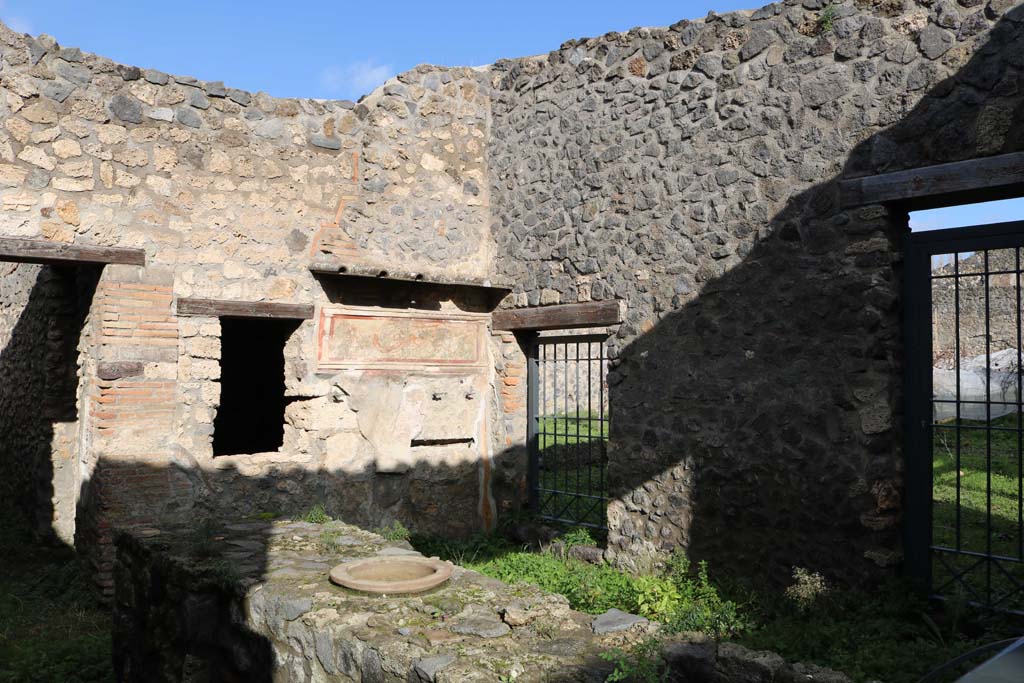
(233, 196)
(692, 171)
(961, 302)
(24, 435)
(43, 315)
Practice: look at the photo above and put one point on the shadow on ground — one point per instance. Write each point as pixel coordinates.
(757, 425)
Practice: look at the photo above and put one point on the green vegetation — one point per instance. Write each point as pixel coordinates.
(572, 458)
(641, 665)
(330, 540)
(202, 541)
(396, 531)
(889, 634)
(52, 628)
(684, 601)
(808, 588)
(317, 515)
(977, 446)
(570, 429)
(827, 18)
(578, 536)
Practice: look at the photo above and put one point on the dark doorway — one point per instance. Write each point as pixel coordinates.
(250, 418)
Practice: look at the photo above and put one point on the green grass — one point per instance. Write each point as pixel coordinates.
(893, 634)
(979, 494)
(890, 634)
(52, 628)
(827, 18)
(572, 469)
(681, 599)
(568, 428)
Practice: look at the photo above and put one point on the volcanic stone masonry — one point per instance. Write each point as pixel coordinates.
(690, 171)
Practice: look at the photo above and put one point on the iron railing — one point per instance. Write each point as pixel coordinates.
(964, 530)
(568, 429)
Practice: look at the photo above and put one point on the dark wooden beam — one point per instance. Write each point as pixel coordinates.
(216, 308)
(941, 185)
(561, 317)
(56, 253)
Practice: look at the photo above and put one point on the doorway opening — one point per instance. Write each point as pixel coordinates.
(568, 419)
(250, 418)
(965, 404)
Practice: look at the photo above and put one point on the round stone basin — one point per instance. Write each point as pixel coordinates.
(392, 575)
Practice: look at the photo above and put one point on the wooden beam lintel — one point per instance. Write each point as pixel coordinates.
(940, 185)
(17, 250)
(216, 308)
(559, 317)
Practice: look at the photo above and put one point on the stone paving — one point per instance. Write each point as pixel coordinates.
(267, 587)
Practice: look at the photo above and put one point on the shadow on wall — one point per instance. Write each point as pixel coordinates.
(759, 424)
(39, 394)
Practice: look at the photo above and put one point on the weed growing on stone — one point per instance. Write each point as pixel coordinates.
(544, 629)
(807, 588)
(317, 515)
(329, 540)
(642, 664)
(396, 531)
(677, 598)
(202, 539)
(827, 18)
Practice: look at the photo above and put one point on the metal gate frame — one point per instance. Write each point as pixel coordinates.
(919, 248)
(539, 494)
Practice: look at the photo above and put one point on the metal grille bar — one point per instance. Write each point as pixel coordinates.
(965, 433)
(568, 429)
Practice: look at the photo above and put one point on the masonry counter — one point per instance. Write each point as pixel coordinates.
(252, 601)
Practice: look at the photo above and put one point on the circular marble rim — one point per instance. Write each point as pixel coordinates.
(442, 571)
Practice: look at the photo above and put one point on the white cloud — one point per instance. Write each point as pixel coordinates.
(355, 79)
(19, 24)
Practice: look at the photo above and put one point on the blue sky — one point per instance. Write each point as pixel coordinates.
(339, 49)
(968, 214)
(344, 49)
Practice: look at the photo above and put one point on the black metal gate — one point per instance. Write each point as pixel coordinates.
(965, 437)
(568, 429)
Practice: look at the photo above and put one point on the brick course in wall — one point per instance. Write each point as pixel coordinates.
(689, 171)
(232, 196)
